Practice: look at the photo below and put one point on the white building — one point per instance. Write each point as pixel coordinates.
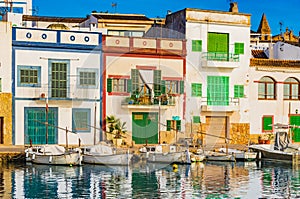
(63, 67)
(16, 6)
(143, 86)
(217, 67)
(275, 89)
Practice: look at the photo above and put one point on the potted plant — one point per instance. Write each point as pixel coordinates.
(116, 128)
(269, 137)
(260, 139)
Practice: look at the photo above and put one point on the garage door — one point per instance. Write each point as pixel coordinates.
(216, 128)
(145, 128)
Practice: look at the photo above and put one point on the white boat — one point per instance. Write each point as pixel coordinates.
(54, 155)
(106, 155)
(198, 156)
(219, 156)
(281, 150)
(241, 155)
(165, 153)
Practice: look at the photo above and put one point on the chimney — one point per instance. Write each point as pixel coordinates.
(233, 7)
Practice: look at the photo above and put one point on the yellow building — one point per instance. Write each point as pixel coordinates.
(5, 88)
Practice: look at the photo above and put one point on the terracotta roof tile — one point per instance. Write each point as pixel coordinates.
(275, 63)
(53, 19)
(259, 54)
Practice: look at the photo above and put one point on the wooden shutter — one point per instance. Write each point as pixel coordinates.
(109, 85)
(178, 125)
(135, 81)
(196, 90)
(129, 85)
(238, 48)
(169, 125)
(181, 87)
(238, 91)
(197, 45)
(157, 83)
(218, 90)
(163, 87)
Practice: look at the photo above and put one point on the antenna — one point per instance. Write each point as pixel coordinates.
(114, 5)
(281, 34)
(35, 10)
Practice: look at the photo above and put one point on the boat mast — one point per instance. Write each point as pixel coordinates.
(95, 114)
(46, 120)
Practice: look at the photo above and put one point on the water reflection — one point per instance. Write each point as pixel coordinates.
(142, 180)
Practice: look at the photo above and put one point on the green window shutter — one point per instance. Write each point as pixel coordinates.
(239, 48)
(109, 85)
(238, 91)
(218, 42)
(267, 121)
(178, 125)
(157, 83)
(218, 90)
(129, 85)
(163, 87)
(197, 45)
(181, 87)
(169, 123)
(196, 90)
(0, 84)
(196, 119)
(135, 81)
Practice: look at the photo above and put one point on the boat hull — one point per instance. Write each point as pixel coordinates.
(170, 157)
(113, 159)
(63, 159)
(215, 156)
(246, 156)
(267, 152)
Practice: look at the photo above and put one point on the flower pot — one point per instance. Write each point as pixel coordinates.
(261, 141)
(267, 141)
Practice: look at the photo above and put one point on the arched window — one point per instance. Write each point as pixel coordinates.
(291, 89)
(266, 88)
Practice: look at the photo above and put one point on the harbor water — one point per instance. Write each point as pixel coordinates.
(144, 180)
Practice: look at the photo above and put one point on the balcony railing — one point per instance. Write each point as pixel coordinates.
(232, 104)
(220, 56)
(148, 101)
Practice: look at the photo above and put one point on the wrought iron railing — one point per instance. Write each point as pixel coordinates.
(220, 56)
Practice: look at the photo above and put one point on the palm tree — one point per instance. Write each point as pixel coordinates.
(115, 126)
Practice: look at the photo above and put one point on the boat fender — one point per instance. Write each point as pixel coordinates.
(27, 154)
(175, 167)
(33, 156)
(50, 159)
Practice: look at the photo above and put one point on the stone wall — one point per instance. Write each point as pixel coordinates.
(239, 133)
(6, 113)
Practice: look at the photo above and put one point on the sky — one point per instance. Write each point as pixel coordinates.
(277, 11)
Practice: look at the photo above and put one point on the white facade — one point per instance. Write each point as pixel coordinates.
(63, 67)
(280, 101)
(121, 56)
(206, 62)
(16, 6)
(5, 58)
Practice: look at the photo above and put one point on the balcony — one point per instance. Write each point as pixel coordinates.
(220, 106)
(146, 102)
(220, 60)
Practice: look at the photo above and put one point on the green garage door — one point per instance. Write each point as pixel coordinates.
(35, 129)
(295, 120)
(145, 128)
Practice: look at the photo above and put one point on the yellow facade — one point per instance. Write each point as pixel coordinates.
(6, 113)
